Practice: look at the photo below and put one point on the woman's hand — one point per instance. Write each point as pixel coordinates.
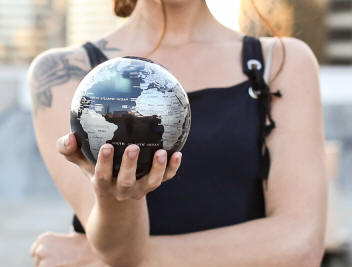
(126, 186)
(117, 227)
(69, 250)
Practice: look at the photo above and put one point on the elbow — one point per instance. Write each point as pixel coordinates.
(114, 257)
(307, 250)
(104, 255)
(100, 252)
(310, 257)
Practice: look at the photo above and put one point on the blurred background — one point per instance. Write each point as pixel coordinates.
(29, 201)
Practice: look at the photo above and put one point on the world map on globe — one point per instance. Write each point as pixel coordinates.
(126, 101)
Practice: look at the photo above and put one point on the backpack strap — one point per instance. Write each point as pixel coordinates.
(95, 55)
(254, 67)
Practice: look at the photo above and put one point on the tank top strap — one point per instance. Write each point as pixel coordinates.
(95, 55)
(252, 55)
(254, 68)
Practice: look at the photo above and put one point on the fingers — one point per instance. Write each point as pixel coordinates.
(38, 241)
(127, 187)
(37, 261)
(174, 164)
(67, 146)
(157, 171)
(103, 170)
(153, 180)
(38, 250)
(126, 178)
(33, 248)
(41, 251)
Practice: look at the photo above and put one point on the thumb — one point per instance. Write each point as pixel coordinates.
(67, 146)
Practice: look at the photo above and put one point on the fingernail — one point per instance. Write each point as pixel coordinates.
(132, 153)
(161, 157)
(106, 151)
(67, 140)
(178, 157)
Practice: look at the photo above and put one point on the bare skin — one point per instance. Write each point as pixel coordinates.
(202, 54)
(67, 250)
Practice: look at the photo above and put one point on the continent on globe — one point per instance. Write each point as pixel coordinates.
(130, 101)
(169, 108)
(97, 128)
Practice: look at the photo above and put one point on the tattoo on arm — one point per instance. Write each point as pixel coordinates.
(51, 71)
(102, 45)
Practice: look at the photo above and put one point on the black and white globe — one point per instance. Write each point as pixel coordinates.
(130, 100)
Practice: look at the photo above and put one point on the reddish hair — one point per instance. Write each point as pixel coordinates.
(273, 32)
(124, 8)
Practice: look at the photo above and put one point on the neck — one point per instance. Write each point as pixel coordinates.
(187, 21)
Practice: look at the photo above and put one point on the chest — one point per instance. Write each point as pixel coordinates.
(225, 125)
(216, 184)
(198, 67)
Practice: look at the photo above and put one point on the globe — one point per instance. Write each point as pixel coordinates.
(130, 100)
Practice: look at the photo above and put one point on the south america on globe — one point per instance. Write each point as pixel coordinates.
(130, 100)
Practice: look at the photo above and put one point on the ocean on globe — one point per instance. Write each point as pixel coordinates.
(130, 100)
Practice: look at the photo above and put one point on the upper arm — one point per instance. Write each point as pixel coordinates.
(53, 77)
(297, 185)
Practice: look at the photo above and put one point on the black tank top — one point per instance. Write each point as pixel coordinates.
(225, 159)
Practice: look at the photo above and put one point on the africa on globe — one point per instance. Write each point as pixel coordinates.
(130, 100)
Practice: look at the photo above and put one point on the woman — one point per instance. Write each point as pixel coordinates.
(229, 203)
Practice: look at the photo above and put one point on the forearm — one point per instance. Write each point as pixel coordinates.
(267, 242)
(119, 231)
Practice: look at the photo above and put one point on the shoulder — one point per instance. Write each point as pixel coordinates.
(55, 68)
(298, 61)
(58, 58)
(295, 72)
(293, 61)
(296, 75)
(298, 53)
(291, 53)
(292, 46)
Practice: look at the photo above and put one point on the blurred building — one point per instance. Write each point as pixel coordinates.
(339, 25)
(309, 24)
(88, 20)
(29, 27)
(326, 25)
(299, 18)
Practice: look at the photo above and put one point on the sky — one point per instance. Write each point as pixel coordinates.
(226, 12)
